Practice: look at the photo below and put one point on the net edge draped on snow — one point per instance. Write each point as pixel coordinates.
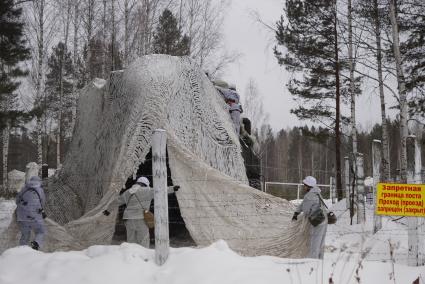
(111, 138)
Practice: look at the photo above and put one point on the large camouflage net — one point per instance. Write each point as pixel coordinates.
(112, 137)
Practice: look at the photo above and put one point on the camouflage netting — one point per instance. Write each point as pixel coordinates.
(112, 137)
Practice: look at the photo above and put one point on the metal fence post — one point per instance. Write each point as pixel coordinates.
(298, 191)
(418, 180)
(414, 165)
(159, 172)
(376, 161)
(332, 189)
(361, 213)
(347, 181)
(412, 222)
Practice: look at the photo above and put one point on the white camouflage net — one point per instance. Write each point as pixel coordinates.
(111, 139)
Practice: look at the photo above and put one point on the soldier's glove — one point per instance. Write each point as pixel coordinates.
(295, 217)
(42, 213)
(176, 187)
(106, 212)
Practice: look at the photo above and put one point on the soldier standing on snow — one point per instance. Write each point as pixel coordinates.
(311, 206)
(137, 200)
(30, 213)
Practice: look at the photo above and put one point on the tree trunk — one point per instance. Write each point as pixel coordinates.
(104, 44)
(385, 167)
(352, 86)
(5, 138)
(39, 142)
(337, 114)
(401, 91)
(74, 62)
(126, 35)
(62, 71)
(90, 19)
(39, 87)
(113, 36)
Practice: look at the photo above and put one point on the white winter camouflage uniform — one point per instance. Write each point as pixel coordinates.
(235, 110)
(136, 203)
(309, 204)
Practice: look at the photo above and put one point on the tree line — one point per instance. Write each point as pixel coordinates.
(338, 49)
(293, 153)
(52, 48)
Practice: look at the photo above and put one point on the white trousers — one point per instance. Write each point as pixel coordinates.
(236, 118)
(317, 240)
(137, 232)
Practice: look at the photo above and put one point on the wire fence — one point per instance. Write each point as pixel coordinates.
(361, 247)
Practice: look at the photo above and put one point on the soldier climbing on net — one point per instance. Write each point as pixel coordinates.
(232, 99)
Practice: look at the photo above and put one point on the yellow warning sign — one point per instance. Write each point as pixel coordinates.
(400, 199)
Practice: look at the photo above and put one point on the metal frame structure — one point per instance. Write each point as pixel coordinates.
(299, 186)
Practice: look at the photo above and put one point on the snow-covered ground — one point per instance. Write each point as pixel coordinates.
(353, 255)
(7, 207)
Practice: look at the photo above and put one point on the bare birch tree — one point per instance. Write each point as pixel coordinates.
(401, 91)
(385, 169)
(352, 63)
(253, 106)
(66, 16)
(88, 18)
(76, 25)
(202, 21)
(40, 30)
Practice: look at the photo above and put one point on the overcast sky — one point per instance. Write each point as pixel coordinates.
(242, 33)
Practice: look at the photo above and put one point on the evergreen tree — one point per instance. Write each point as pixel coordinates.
(412, 23)
(59, 106)
(310, 36)
(92, 64)
(12, 52)
(168, 38)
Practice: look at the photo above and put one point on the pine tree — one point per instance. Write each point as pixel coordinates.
(310, 36)
(60, 76)
(13, 51)
(168, 38)
(412, 18)
(377, 17)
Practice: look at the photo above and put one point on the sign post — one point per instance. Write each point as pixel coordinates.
(376, 161)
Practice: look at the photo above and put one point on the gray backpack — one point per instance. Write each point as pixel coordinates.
(317, 217)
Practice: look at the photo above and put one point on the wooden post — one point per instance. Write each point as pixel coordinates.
(361, 213)
(376, 161)
(412, 222)
(31, 170)
(418, 180)
(332, 189)
(159, 172)
(347, 181)
(298, 191)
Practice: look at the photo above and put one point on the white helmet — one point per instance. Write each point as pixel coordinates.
(310, 181)
(143, 180)
(232, 86)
